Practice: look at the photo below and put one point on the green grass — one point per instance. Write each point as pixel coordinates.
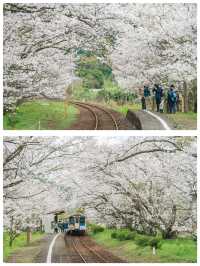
(174, 250)
(124, 108)
(41, 114)
(183, 120)
(18, 243)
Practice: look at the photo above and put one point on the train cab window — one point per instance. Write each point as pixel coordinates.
(82, 220)
(71, 220)
(76, 219)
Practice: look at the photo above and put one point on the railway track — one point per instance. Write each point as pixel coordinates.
(85, 253)
(103, 119)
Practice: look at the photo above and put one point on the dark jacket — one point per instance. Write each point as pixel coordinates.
(146, 92)
(158, 92)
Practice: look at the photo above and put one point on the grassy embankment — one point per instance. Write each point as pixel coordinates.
(183, 120)
(18, 243)
(41, 114)
(170, 250)
(125, 107)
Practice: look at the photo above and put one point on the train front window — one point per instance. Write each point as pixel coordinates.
(82, 220)
(71, 220)
(77, 220)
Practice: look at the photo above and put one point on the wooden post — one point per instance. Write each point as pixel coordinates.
(154, 251)
(28, 238)
(65, 107)
(65, 104)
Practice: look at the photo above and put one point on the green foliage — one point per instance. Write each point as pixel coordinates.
(96, 74)
(123, 234)
(96, 228)
(83, 94)
(112, 91)
(155, 242)
(114, 234)
(92, 71)
(142, 241)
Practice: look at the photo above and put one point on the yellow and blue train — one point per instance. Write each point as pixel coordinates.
(77, 224)
(73, 224)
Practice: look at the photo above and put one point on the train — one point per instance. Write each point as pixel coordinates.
(77, 224)
(70, 224)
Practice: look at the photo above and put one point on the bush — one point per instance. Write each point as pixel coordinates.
(114, 235)
(97, 229)
(122, 235)
(155, 242)
(130, 236)
(142, 241)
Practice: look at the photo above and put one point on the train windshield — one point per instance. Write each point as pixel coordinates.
(71, 220)
(82, 220)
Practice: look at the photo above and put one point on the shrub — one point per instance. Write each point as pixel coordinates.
(97, 229)
(142, 241)
(122, 235)
(114, 235)
(155, 242)
(130, 236)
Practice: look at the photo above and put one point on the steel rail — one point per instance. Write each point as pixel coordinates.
(90, 109)
(93, 251)
(88, 105)
(77, 251)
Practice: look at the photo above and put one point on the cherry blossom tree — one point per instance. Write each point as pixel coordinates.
(148, 184)
(146, 187)
(141, 42)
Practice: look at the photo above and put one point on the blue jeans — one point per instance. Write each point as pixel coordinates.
(172, 107)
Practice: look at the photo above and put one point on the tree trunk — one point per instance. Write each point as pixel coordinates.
(168, 232)
(41, 226)
(194, 90)
(10, 241)
(185, 97)
(11, 231)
